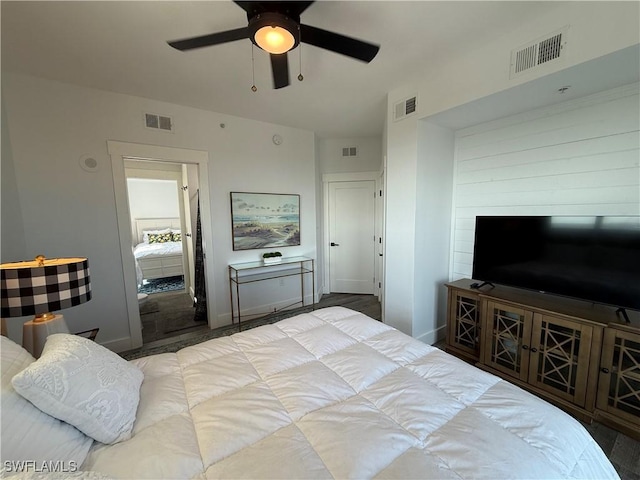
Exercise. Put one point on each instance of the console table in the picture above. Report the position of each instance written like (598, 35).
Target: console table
(251, 272)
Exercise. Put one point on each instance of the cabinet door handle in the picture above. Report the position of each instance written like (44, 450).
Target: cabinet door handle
(525, 347)
(534, 349)
(604, 370)
(333, 244)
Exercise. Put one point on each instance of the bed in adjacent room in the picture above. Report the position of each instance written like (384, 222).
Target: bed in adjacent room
(327, 394)
(158, 249)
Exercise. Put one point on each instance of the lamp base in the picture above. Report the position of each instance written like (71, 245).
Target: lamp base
(35, 333)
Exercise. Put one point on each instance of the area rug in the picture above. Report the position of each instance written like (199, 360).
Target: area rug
(159, 285)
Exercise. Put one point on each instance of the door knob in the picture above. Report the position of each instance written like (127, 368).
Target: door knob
(333, 244)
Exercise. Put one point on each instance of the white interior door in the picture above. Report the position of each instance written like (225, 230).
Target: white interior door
(352, 236)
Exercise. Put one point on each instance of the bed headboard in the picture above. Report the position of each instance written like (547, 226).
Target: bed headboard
(142, 224)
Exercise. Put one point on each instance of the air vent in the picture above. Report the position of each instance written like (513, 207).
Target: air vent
(405, 108)
(544, 51)
(349, 151)
(158, 122)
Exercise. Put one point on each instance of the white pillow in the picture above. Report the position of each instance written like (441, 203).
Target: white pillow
(82, 383)
(145, 233)
(26, 432)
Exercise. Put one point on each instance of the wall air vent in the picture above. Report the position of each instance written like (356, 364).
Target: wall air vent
(406, 107)
(158, 122)
(349, 151)
(544, 51)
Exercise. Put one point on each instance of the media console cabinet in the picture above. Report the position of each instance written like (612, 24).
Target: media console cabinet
(577, 355)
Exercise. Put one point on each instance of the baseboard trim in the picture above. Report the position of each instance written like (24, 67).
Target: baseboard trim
(433, 336)
(118, 345)
(224, 319)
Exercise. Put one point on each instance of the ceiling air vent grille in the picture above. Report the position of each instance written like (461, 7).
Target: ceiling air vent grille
(349, 151)
(404, 108)
(550, 49)
(542, 51)
(158, 122)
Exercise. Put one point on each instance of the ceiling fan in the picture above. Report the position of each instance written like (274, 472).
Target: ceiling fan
(275, 27)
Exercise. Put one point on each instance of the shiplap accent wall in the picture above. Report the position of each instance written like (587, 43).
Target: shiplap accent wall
(580, 157)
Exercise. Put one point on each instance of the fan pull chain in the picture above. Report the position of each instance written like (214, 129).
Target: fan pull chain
(300, 77)
(253, 72)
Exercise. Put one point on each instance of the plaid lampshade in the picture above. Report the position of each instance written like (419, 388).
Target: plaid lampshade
(43, 285)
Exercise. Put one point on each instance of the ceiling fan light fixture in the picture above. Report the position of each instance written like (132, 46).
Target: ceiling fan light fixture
(274, 39)
(274, 33)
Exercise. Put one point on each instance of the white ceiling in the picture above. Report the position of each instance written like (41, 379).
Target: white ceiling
(121, 47)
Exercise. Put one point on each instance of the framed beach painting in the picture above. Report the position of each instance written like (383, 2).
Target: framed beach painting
(263, 220)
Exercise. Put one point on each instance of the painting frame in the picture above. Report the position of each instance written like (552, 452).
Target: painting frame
(264, 220)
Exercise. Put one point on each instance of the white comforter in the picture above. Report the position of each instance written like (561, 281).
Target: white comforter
(335, 394)
(149, 250)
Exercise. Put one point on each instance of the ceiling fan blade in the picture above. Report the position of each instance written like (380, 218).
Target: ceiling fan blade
(292, 9)
(298, 7)
(335, 42)
(249, 7)
(280, 69)
(211, 39)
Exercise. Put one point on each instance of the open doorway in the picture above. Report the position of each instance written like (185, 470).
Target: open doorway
(204, 287)
(162, 204)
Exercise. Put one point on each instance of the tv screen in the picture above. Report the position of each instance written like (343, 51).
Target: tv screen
(594, 258)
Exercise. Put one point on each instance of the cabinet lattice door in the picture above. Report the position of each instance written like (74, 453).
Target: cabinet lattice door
(506, 334)
(559, 357)
(619, 390)
(464, 330)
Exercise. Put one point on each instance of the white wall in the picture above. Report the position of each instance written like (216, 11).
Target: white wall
(12, 227)
(596, 29)
(400, 220)
(576, 158)
(433, 209)
(67, 211)
(330, 159)
(153, 198)
(320, 276)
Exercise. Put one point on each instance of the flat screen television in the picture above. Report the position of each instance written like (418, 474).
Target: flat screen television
(594, 258)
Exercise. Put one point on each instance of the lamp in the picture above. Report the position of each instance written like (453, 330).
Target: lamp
(273, 32)
(39, 287)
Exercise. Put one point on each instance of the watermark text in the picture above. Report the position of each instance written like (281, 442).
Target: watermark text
(47, 466)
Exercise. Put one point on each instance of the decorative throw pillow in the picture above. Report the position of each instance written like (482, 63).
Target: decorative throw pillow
(146, 233)
(82, 383)
(28, 434)
(160, 237)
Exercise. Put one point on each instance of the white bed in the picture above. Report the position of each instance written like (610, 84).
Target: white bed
(335, 394)
(157, 260)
